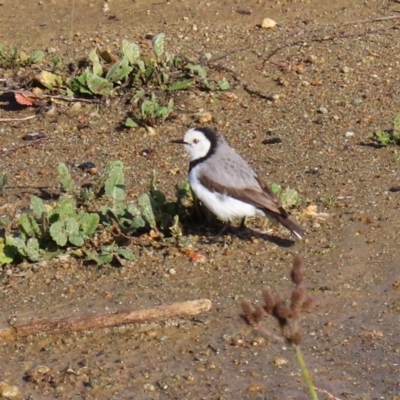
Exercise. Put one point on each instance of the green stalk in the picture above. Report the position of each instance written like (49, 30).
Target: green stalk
(306, 374)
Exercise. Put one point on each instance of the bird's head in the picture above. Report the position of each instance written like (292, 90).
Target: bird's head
(199, 142)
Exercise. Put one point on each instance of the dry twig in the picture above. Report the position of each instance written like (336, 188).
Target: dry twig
(73, 323)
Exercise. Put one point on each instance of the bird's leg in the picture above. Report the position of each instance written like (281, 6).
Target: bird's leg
(222, 231)
(242, 225)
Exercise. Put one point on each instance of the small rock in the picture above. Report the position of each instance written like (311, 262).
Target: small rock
(268, 23)
(150, 130)
(322, 110)
(345, 70)
(279, 361)
(204, 118)
(9, 392)
(172, 271)
(312, 59)
(75, 108)
(36, 135)
(357, 102)
(149, 387)
(349, 134)
(37, 374)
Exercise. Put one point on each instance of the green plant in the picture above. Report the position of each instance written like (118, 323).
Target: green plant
(110, 253)
(97, 235)
(3, 181)
(330, 201)
(287, 315)
(289, 197)
(152, 112)
(389, 136)
(44, 229)
(14, 58)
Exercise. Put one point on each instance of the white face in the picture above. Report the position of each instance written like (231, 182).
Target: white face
(196, 144)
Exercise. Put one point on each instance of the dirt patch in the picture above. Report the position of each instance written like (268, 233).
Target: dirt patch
(313, 84)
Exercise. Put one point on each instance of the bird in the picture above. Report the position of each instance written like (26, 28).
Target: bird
(225, 183)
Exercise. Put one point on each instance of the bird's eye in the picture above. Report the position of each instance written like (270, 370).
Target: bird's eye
(195, 141)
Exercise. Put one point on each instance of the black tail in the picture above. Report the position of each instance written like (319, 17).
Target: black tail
(289, 224)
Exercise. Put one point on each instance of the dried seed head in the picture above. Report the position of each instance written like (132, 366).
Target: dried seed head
(295, 338)
(297, 299)
(251, 315)
(286, 331)
(269, 300)
(281, 312)
(307, 303)
(296, 274)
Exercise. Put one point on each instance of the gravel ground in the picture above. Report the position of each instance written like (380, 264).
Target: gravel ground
(322, 81)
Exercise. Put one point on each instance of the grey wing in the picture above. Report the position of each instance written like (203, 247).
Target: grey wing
(234, 177)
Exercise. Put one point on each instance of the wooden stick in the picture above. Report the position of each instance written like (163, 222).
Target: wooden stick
(81, 322)
(18, 119)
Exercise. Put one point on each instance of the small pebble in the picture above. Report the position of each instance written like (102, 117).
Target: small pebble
(345, 70)
(9, 392)
(204, 118)
(34, 136)
(322, 110)
(357, 102)
(268, 23)
(349, 134)
(279, 361)
(172, 271)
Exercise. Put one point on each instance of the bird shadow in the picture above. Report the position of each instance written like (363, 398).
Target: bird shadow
(211, 237)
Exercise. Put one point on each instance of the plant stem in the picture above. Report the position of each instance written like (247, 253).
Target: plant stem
(306, 374)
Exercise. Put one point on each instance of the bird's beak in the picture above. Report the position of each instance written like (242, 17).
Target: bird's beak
(178, 141)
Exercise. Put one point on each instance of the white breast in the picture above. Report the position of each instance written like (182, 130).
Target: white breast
(221, 205)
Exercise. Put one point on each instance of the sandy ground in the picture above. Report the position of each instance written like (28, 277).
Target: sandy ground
(324, 71)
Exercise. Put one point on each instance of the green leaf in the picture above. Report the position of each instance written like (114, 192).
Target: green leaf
(158, 195)
(49, 80)
(33, 250)
(147, 210)
(38, 207)
(131, 51)
(57, 62)
(290, 198)
(17, 244)
(99, 259)
(65, 207)
(224, 84)
(89, 223)
(119, 71)
(130, 123)
(165, 77)
(181, 85)
(94, 58)
(35, 226)
(57, 233)
(175, 229)
(127, 254)
(138, 95)
(77, 240)
(141, 65)
(65, 179)
(99, 85)
(197, 70)
(36, 56)
(71, 227)
(6, 253)
(158, 44)
(3, 181)
(275, 188)
(115, 184)
(25, 225)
